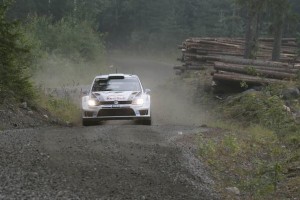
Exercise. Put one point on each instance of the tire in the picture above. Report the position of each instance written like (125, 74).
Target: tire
(147, 122)
(88, 123)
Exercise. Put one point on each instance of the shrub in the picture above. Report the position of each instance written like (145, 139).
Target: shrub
(260, 108)
(67, 37)
(68, 50)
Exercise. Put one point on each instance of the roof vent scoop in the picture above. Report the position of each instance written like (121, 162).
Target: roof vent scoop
(116, 76)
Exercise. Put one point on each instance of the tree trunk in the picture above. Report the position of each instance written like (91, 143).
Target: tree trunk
(251, 34)
(49, 7)
(278, 30)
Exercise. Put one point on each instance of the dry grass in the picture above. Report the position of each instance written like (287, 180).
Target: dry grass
(63, 108)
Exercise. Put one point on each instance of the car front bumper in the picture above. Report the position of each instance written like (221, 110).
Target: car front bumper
(116, 112)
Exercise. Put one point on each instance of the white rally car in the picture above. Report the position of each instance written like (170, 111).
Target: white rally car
(116, 97)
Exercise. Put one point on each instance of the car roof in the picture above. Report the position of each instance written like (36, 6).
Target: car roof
(116, 75)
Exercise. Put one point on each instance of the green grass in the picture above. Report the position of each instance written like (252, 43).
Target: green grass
(252, 159)
(62, 108)
(255, 146)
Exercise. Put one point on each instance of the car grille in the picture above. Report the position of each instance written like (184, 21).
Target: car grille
(116, 112)
(112, 102)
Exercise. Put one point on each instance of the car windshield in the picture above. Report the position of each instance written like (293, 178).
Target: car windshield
(126, 84)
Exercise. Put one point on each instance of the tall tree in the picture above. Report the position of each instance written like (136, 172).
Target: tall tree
(254, 9)
(15, 59)
(279, 11)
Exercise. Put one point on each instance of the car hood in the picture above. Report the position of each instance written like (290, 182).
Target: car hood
(116, 96)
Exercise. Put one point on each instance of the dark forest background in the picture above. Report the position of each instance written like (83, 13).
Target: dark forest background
(144, 24)
(54, 41)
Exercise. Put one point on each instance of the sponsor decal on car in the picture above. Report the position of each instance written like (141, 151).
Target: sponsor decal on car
(116, 98)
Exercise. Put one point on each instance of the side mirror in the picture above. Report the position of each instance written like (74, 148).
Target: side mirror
(147, 91)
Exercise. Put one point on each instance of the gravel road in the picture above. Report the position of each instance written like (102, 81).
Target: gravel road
(101, 162)
(117, 160)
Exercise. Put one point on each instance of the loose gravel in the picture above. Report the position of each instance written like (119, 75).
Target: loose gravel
(101, 162)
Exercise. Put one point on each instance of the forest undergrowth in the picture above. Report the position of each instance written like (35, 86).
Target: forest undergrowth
(253, 142)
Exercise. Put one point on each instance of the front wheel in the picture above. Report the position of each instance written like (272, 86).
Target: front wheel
(88, 122)
(147, 122)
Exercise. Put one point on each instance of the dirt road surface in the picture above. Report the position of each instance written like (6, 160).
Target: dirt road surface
(116, 160)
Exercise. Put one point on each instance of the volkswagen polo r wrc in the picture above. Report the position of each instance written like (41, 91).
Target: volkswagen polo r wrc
(116, 97)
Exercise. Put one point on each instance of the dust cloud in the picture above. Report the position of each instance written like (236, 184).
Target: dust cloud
(172, 101)
(56, 71)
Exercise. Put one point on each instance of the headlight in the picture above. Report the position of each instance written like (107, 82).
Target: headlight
(92, 102)
(138, 101)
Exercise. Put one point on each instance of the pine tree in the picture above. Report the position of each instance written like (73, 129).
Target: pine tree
(254, 9)
(15, 59)
(279, 10)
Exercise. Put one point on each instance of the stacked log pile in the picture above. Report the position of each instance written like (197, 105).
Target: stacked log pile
(226, 57)
(253, 71)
